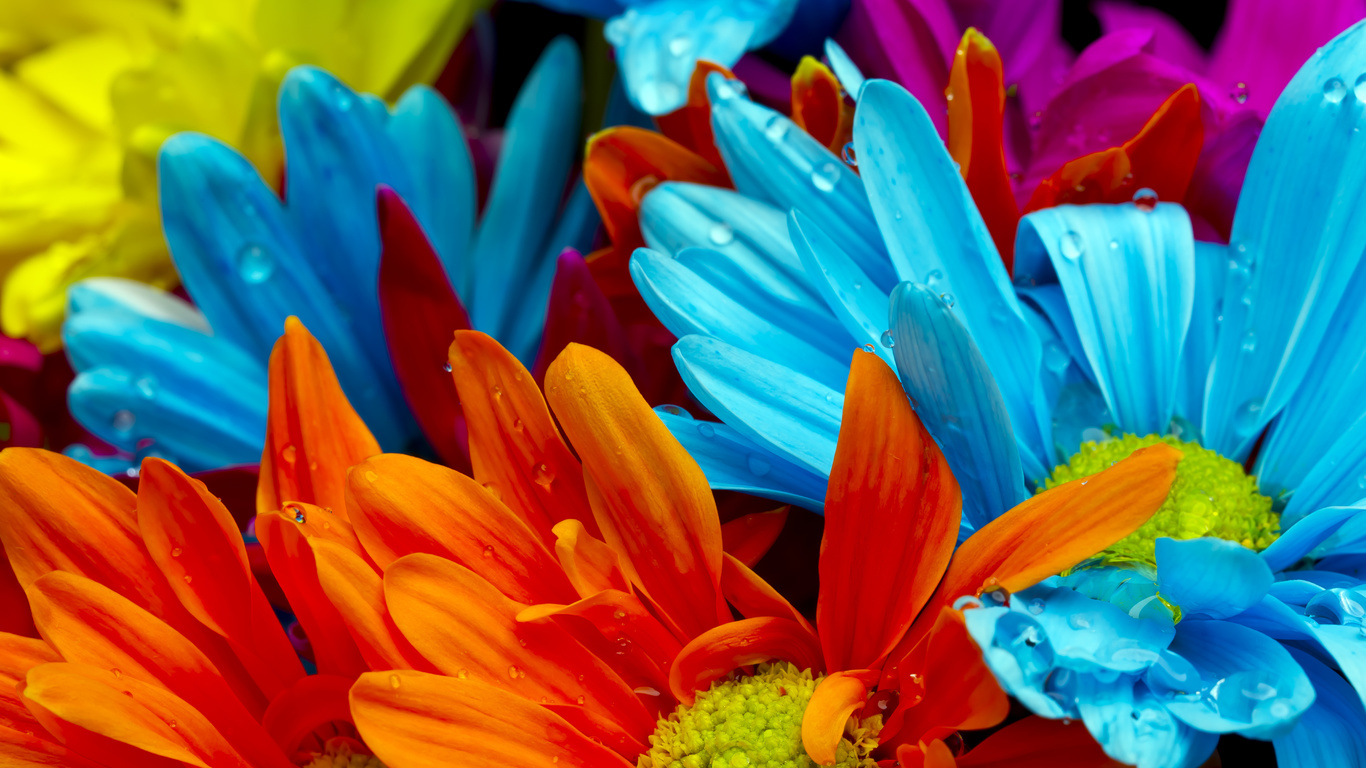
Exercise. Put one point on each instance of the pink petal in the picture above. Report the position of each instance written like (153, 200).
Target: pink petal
(1171, 41)
(910, 42)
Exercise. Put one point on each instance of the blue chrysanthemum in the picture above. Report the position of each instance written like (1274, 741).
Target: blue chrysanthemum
(1119, 329)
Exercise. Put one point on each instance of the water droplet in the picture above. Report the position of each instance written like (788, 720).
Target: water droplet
(1359, 87)
(777, 128)
(544, 477)
(619, 614)
(672, 410)
(721, 234)
(848, 154)
(497, 390)
(488, 551)
(1361, 481)
(887, 340)
(1334, 90)
(897, 215)
(254, 264)
(124, 421)
(171, 723)
(370, 476)
(462, 674)
(1145, 199)
(645, 690)
(343, 98)
(868, 348)
(758, 465)
(394, 682)
(706, 430)
(581, 699)
(298, 514)
(517, 425)
(1079, 621)
(1036, 606)
(642, 186)
(1249, 341)
(288, 453)
(725, 90)
(1247, 416)
(1072, 246)
(1238, 93)
(175, 552)
(446, 367)
(680, 45)
(947, 298)
(933, 278)
(147, 387)
(1055, 357)
(824, 178)
(512, 672)
(117, 673)
(188, 578)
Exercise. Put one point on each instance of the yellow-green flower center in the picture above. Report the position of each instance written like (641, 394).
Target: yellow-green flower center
(753, 721)
(1212, 496)
(339, 753)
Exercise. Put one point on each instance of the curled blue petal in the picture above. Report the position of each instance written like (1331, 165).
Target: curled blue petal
(1333, 731)
(1297, 541)
(860, 305)
(1092, 635)
(1210, 578)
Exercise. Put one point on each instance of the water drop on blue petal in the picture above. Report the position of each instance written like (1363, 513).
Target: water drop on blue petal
(1334, 90)
(1359, 88)
(1145, 199)
(777, 127)
(1249, 340)
(887, 340)
(680, 45)
(721, 233)
(254, 264)
(124, 421)
(1071, 246)
(1055, 358)
(758, 465)
(824, 178)
(147, 387)
(848, 154)
(1247, 416)
(947, 298)
(706, 430)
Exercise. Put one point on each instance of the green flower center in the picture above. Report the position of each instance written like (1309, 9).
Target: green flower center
(340, 753)
(752, 721)
(1212, 496)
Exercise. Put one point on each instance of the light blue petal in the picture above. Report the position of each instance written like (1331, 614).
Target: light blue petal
(732, 462)
(1347, 646)
(1333, 731)
(1019, 654)
(1092, 635)
(200, 399)
(1129, 278)
(771, 159)
(658, 44)
(533, 167)
(620, 110)
(1295, 243)
(1294, 591)
(1210, 578)
(1273, 618)
(1250, 684)
(113, 464)
(687, 304)
(1304, 535)
(936, 236)
(1134, 727)
(956, 398)
(1079, 416)
(846, 71)
(1338, 479)
(776, 407)
(1206, 309)
(239, 258)
(141, 299)
(431, 145)
(859, 304)
(1122, 586)
(1050, 300)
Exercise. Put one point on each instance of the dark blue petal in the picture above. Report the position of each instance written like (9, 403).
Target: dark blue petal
(1333, 731)
(1198, 354)
(1304, 535)
(1338, 479)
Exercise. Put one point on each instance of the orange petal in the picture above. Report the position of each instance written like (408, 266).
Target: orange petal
(357, 591)
(934, 755)
(1055, 530)
(466, 627)
(418, 720)
(88, 623)
(892, 511)
(716, 652)
(1161, 157)
(819, 106)
(26, 747)
(310, 703)
(516, 450)
(291, 560)
(17, 656)
(977, 99)
(98, 714)
(652, 502)
(312, 432)
(837, 697)
(196, 543)
(1035, 742)
(622, 163)
(752, 596)
(690, 124)
(945, 686)
(405, 505)
(749, 538)
(591, 565)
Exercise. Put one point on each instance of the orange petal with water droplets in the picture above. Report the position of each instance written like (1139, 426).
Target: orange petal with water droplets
(1161, 157)
(717, 651)
(690, 124)
(945, 686)
(291, 560)
(514, 444)
(405, 505)
(623, 163)
(892, 511)
(418, 720)
(312, 432)
(749, 538)
(310, 703)
(1035, 742)
(977, 100)
(196, 543)
(96, 713)
(753, 597)
(88, 623)
(590, 565)
(836, 697)
(357, 590)
(819, 106)
(652, 502)
(465, 626)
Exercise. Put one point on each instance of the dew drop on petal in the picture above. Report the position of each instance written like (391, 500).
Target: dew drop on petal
(824, 178)
(1238, 93)
(721, 233)
(1334, 90)
(394, 682)
(255, 265)
(706, 430)
(777, 128)
(124, 421)
(1072, 246)
(1359, 87)
(758, 465)
(887, 340)
(1145, 199)
(847, 154)
(175, 552)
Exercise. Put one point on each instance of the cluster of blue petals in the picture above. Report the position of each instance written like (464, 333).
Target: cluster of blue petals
(156, 375)
(1115, 319)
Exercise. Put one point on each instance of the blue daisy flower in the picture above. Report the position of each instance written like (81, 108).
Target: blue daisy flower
(1120, 330)
(155, 374)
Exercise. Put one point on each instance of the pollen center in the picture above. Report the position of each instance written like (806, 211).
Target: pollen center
(1212, 496)
(752, 721)
(341, 752)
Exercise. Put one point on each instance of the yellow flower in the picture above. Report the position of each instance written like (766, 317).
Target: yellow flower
(90, 88)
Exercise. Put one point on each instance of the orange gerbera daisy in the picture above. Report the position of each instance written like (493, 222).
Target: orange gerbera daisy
(556, 610)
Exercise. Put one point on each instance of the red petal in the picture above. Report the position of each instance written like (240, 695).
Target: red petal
(749, 538)
(819, 107)
(754, 597)
(579, 313)
(719, 650)
(1035, 742)
(690, 124)
(420, 312)
(310, 703)
(945, 686)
